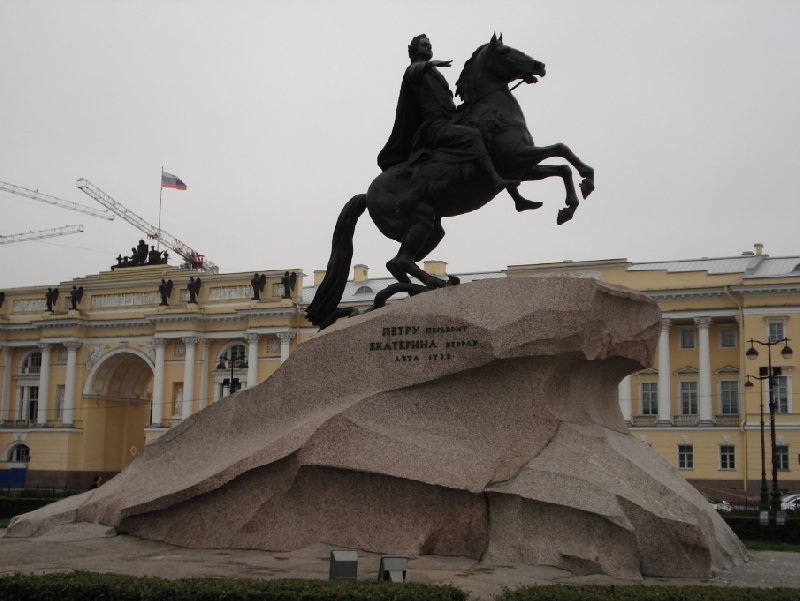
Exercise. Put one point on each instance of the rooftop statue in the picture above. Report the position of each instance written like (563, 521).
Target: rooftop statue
(442, 161)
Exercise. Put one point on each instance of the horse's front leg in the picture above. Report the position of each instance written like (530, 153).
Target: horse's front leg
(539, 172)
(538, 153)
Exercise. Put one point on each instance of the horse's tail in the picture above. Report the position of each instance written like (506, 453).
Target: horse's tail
(331, 289)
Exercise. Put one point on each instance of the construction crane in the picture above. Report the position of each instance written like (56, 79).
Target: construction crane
(51, 233)
(53, 200)
(192, 257)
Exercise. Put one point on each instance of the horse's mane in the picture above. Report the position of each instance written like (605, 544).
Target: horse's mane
(463, 87)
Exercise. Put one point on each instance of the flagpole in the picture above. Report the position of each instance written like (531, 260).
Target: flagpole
(160, 191)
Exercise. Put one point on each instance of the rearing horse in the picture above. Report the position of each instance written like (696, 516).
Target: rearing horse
(443, 189)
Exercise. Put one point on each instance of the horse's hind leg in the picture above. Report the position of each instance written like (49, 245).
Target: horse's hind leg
(415, 241)
(436, 235)
(560, 150)
(540, 172)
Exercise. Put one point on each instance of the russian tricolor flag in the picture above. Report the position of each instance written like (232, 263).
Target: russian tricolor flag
(171, 181)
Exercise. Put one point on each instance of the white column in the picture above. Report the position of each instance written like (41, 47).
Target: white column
(69, 385)
(158, 381)
(286, 338)
(44, 384)
(204, 346)
(664, 399)
(6, 401)
(624, 396)
(704, 408)
(188, 376)
(252, 360)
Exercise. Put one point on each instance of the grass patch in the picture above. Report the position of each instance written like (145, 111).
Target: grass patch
(766, 545)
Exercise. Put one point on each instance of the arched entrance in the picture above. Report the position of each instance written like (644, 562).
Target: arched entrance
(117, 397)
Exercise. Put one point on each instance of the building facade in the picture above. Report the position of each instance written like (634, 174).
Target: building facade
(693, 405)
(87, 383)
(84, 389)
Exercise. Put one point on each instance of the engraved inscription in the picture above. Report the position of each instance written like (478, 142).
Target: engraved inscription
(403, 343)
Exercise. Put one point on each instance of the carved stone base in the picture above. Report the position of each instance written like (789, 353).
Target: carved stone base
(478, 420)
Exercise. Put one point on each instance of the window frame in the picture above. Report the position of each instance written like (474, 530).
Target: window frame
(692, 398)
(782, 455)
(734, 333)
(650, 396)
(727, 457)
(722, 393)
(685, 456)
(687, 331)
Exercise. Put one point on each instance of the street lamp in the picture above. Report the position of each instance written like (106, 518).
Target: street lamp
(763, 504)
(233, 384)
(770, 375)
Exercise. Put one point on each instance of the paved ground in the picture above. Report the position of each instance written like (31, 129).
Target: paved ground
(95, 548)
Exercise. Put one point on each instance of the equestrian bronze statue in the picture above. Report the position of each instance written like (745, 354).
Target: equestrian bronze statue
(442, 161)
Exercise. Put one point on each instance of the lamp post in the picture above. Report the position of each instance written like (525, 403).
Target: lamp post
(233, 383)
(771, 374)
(763, 504)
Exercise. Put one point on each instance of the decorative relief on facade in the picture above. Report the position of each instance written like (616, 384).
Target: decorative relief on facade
(95, 352)
(21, 306)
(278, 290)
(126, 299)
(149, 349)
(273, 345)
(229, 293)
(180, 349)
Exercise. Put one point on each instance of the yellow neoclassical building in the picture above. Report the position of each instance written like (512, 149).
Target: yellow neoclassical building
(84, 388)
(91, 376)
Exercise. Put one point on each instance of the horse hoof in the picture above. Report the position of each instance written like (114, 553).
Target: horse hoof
(587, 187)
(528, 205)
(564, 215)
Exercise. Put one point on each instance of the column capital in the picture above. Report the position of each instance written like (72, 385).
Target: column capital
(72, 345)
(702, 322)
(285, 336)
(252, 337)
(664, 324)
(45, 347)
(159, 342)
(190, 340)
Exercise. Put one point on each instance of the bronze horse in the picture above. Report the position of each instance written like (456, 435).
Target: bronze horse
(444, 189)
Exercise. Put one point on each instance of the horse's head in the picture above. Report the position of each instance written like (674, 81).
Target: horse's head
(509, 64)
(499, 63)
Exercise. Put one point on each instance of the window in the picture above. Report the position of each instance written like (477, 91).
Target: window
(33, 403)
(776, 331)
(687, 338)
(238, 352)
(364, 290)
(727, 457)
(729, 397)
(780, 392)
(782, 457)
(727, 337)
(685, 456)
(20, 453)
(688, 393)
(649, 398)
(32, 363)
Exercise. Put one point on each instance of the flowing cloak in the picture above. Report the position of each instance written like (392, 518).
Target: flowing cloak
(425, 109)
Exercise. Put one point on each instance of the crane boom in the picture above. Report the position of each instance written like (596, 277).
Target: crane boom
(192, 257)
(38, 235)
(53, 200)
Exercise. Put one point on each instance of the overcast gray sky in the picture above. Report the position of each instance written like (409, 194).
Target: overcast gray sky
(273, 114)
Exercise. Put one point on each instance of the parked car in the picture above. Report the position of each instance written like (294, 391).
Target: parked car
(720, 504)
(791, 502)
